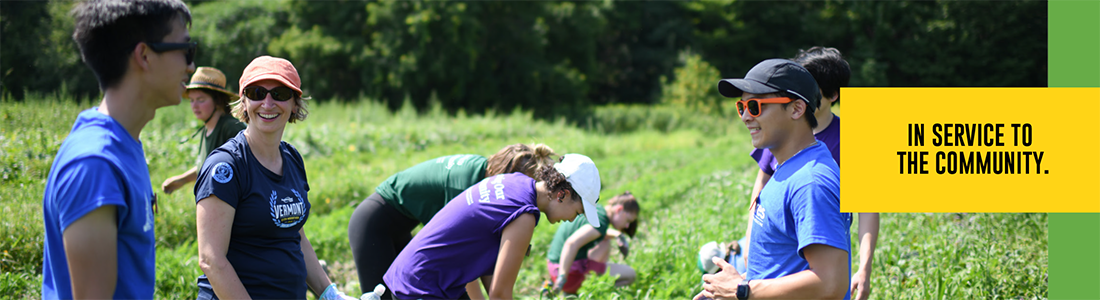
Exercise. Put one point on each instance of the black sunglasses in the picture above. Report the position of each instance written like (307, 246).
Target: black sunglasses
(191, 47)
(280, 93)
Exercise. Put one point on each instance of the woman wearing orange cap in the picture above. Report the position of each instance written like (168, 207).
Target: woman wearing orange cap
(209, 102)
(252, 197)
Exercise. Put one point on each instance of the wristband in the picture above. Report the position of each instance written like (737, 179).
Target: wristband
(743, 290)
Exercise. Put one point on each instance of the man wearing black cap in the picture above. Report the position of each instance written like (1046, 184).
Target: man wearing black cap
(799, 238)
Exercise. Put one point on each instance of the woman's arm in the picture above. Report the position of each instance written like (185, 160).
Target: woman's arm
(569, 249)
(513, 247)
(175, 182)
(474, 290)
(316, 279)
(214, 220)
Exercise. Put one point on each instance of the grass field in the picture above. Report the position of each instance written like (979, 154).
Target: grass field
(692, 180)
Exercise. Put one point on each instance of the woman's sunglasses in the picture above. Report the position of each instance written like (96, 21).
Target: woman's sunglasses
(280, 93)
(754, 105)
(191, 47)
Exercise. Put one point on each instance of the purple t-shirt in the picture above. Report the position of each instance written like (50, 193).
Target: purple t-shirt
(460, 244)
(830, 136)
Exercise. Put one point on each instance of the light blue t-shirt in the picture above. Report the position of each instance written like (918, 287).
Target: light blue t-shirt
(799, 206)
(99, 164)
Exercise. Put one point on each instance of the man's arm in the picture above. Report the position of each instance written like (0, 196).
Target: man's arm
(827, 278)
(761, 180)
(91, 248)
(868, 237)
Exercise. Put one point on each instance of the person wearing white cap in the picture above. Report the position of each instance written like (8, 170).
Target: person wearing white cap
(485, 232)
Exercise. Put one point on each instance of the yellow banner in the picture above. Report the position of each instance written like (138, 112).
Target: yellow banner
(970, 150)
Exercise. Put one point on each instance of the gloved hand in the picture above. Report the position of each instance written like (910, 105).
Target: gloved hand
(559, 284)
(624, 246)
(331, 293)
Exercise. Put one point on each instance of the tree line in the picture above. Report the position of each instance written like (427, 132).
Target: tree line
(558, 57)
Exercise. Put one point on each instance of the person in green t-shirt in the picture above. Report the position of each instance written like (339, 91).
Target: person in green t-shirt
(585, 248)
(381, 225)
(209, 102)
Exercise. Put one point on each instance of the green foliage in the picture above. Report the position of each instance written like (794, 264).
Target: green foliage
(695, 87)
(19, 21)
(559, 58)
(625, 118)
(232, 33)
(887, 43)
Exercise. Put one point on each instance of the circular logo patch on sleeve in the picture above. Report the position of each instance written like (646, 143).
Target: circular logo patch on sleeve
(222, 172)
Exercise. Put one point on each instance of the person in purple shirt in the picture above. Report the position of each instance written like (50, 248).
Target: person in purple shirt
(486, 230)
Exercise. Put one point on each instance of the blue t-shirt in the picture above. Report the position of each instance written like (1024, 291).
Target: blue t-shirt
(100, 164)
(799, 206)
(264, 245)
(830, 136)
(461, 243)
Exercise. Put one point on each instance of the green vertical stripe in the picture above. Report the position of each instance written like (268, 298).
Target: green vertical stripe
(1074, 61)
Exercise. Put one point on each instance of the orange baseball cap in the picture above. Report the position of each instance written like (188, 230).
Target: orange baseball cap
(267, 67)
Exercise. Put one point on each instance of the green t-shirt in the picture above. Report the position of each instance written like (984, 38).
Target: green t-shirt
(567, 229)
(226, 128)
(422, 190)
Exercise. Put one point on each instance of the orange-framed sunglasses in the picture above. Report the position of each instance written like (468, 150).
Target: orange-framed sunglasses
(754, 105)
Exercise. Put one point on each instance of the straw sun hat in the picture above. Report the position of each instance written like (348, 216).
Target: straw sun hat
(211, 79)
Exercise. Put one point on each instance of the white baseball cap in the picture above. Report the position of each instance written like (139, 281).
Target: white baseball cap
(581, 173)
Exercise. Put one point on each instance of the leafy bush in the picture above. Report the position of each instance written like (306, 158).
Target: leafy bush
(232, 33)
(695, 86)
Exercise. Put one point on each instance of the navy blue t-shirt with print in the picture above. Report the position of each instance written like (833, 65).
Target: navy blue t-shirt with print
(264, 244)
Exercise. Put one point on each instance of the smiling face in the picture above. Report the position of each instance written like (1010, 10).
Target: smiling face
(768, 129)
(202, 105)
(564, 208)
(170, 71)
(268, 115)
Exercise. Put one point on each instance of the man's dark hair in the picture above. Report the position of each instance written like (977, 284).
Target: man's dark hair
(107, 31)
(828, 67)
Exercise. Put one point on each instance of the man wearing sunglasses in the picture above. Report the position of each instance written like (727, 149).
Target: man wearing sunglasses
(799, 238)
(98, 203)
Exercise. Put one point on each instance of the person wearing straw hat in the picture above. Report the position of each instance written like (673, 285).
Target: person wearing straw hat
(210, 103)
(486, 231)
(252, 198)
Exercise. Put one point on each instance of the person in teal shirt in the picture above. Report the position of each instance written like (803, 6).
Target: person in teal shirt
(210, 100)
(381, 225)
(585, 248)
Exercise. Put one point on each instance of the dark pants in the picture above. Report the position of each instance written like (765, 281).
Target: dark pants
(377, 233)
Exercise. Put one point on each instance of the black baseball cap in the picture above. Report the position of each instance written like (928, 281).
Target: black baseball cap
(774, 75)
